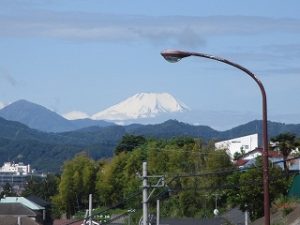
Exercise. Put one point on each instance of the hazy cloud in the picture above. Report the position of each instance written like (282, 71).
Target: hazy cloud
(189, 31)
(7, 77)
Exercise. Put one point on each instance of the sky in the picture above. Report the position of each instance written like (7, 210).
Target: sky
(87, 55)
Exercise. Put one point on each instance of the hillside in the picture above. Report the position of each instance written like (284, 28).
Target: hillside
(38, 117)
(48, 151)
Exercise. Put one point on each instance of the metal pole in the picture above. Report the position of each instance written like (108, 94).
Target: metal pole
(246, 217)
(175, 56)
(90, 209)
(145, 194)
(157, 212)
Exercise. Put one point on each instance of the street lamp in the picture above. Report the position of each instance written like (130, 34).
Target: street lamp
(175, 56)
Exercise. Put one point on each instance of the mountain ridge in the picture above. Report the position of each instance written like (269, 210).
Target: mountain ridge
(48, 151)
(39, 117)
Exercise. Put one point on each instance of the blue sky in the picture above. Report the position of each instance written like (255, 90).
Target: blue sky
(87, 55)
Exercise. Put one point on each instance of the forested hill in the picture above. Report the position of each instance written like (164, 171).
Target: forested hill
(48, 151)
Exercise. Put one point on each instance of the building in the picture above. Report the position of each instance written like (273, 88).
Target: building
(239, 145)
(15, 168)
(31, 204)
(16, 175)
(16, 213)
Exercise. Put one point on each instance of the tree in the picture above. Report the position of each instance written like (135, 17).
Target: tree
(111, 181)
(128, 143)
(7, 191)
(44, 188)
(246, 188)
(77, 182)
(285, 143)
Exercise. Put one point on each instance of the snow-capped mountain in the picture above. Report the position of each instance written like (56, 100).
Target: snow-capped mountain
(142, 105)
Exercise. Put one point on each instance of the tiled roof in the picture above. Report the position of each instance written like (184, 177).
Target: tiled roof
(66, 221)
(193, 221)
(241, 162)
(235, 216)
(271, 154)
(15, 209)
(38, 200)
(13, 220)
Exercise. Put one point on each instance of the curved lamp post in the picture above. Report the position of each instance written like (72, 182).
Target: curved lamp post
(175, 56)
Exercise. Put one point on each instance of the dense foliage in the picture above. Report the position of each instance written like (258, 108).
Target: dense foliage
(285, 143)
(42, 187)
(245, 189)
(193, 172)
(198, 180)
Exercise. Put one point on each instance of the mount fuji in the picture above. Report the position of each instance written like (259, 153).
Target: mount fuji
(142, 106)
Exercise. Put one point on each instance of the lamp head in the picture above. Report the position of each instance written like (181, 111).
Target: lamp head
(174, 56)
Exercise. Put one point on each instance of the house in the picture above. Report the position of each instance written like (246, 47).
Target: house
(294, 164)
(248, 159)
(16, 213)
(275, 157)
(40, 211)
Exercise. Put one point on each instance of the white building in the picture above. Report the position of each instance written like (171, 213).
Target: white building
(245, 144)
(15, 168)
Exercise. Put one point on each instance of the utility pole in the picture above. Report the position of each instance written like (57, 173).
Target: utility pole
(146, 186)
(246, 217)
(157, 212)
(90, 209)
(88, 216)
(145, 194)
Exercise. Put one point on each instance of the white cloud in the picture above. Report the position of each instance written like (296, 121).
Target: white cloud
(74, 115)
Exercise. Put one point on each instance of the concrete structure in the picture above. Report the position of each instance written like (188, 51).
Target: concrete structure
(15, 168)
(245, 144)
(16, 175)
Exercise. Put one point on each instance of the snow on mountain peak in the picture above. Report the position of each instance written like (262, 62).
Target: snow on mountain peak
(142, 105)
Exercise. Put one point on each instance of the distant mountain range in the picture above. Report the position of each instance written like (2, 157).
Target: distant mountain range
(138, 108)
(47, 151)
(36, 135)
(38, 117)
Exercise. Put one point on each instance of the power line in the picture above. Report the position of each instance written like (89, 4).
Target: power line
(209, 173)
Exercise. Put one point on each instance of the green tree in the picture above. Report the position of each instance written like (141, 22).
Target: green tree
(110, 182)
(128, 143)
(44, 187)
(77, 182)
(285, 143)
(7, 191)
(246, 188)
